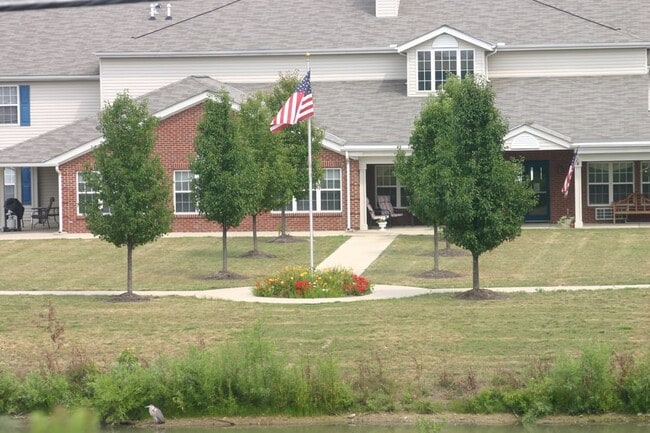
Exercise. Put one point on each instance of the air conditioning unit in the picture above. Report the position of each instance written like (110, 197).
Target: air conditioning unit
(604, 214)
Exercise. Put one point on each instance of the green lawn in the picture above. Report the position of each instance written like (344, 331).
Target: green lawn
(536, 258)
(423, 339)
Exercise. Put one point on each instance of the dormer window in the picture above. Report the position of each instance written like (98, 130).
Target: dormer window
(446, 62)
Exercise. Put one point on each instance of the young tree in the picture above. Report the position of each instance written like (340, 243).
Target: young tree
(129, 179)
(225, 185)
(272, 167)
(485, 199)
(425, 172)
(294, 182)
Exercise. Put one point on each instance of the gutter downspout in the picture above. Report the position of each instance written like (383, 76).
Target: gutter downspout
(347, 177)
(58, 176)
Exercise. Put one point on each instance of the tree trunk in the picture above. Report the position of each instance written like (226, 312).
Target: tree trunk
(129, 268)
(283, 223)
(436, 259)
(224, 249)
(475, 280)
(255, 233)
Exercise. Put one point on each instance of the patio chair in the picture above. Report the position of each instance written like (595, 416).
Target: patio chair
(380, 216)
(386, 206)
(42, 215)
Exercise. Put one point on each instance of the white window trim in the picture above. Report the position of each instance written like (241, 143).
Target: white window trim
(10, 180)
(610, 182)
(105, 211)
(432, 65)
(17, 105)
(317, 191)
(645, 184)
(398, 185)
(189, 191)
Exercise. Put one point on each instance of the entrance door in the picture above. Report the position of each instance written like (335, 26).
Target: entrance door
(537, 172)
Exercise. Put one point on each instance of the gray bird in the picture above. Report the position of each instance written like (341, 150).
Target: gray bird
(156, 414)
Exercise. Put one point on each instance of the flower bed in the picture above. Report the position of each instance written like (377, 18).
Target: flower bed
(298, 282)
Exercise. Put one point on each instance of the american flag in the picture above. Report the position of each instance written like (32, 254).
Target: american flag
(567, 179)
(298, 107)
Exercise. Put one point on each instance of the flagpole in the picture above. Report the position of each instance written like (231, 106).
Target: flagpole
(311, 186)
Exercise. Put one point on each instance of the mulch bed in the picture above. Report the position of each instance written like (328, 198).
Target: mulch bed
(257, 255)
(286, 239)
(221, 275)
(128, 297)
(481, 295)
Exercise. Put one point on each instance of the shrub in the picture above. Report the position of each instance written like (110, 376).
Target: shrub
(299, 282)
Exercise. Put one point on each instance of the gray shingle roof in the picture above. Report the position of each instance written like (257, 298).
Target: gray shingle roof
(583, 108)
(64, 41)
(610, 108)
(41, 149)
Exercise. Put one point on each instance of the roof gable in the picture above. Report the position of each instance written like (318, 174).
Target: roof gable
(446, 30)
(532, 136)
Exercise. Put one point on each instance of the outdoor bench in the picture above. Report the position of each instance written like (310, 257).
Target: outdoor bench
(634, 203)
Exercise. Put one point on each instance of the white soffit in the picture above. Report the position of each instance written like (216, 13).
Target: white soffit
(535, 137)
(446, 30)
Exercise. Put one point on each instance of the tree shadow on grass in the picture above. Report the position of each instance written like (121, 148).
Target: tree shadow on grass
(221, 275)
(438, 274)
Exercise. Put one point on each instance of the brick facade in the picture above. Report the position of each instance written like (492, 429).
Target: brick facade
(175, 144)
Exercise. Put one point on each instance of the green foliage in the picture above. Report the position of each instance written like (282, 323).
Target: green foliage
(298, 282)
(9, 386)
(292, 177)
(64, 421)
(225, 181)
(130, 180)
(485, 200)
(129, 177)
(591, 384)
(42, 391)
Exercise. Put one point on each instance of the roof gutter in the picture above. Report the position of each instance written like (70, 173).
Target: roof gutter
(35, 78)
(534, 47)
(249, 53)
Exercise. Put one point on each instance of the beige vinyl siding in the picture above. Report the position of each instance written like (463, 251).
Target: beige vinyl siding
(142, 75)
(52, 105)
(412, 62)
(47, 181)
(557, 63)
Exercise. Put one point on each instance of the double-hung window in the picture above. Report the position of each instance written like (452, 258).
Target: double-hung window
(9, 182)
(609, 181)
(446, 62)
(183, 195)
(86, 196)
(8, 105)
(326, 197)
(387, 184)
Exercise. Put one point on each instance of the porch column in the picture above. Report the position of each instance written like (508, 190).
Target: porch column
(578, 193)
(363, 214)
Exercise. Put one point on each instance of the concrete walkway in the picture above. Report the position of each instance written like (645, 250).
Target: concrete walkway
(357, 253)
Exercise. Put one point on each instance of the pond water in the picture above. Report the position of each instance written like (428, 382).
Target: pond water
(8, 426)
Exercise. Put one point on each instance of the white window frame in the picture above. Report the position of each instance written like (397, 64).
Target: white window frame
(302, 206)
(433, 82)
(400, 202)
(645, 177)
(10, 183)
(189, 191)
(6, 102)
(80, 181)
(610, 182)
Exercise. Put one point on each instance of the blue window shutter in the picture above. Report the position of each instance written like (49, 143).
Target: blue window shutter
(25, 119)
(26, 185)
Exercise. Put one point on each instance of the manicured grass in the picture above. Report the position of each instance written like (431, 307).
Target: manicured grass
(536, 258)
(167, 264)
